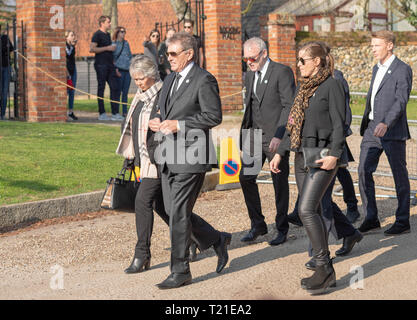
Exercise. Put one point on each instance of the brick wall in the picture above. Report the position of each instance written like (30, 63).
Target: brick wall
(279, 31)
(224, 51)
(45, 98)
(137, 17)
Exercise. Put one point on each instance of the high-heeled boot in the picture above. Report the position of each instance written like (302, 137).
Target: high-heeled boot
(323, 278)
(138, 265)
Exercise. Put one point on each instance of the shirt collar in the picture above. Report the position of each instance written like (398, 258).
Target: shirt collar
(387, 63)
(187, 69)
(265, 67)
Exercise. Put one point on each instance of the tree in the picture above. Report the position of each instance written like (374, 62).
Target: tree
(110, 9)
(407, 8)
(7, 11)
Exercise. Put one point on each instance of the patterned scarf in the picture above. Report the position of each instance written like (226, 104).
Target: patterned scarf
(296, 117)
(125, 147)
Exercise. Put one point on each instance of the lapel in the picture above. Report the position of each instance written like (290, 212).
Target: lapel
(164, 94)
(249, 89)
(389, 73)
(368, 97)
(265, 82)
(183, 87)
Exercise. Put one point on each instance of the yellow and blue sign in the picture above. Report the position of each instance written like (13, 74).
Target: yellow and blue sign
(230, 164)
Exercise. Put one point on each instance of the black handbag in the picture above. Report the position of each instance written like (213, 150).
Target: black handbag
(311, 154)
(120, 193)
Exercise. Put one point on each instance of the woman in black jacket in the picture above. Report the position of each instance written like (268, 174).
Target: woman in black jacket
(316, 120)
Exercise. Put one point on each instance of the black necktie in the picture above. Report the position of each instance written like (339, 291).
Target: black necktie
(175, 86)
(258, 84)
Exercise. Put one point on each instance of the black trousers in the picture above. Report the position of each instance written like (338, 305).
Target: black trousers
(180, 192)
(349, 195)
(312, 185)
(395, 150)
(107, 73)
(149, 198)
(251, 191)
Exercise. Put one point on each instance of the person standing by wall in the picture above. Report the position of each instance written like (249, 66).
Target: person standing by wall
(189, 28)
(122, 57)
(71, 70)
(6, 48)
(103, 48)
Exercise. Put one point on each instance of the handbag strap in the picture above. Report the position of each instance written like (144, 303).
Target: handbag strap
(121, 50)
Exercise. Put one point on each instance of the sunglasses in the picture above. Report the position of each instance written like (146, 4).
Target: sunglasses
(303, 60)
(252, 59)
(174, 54)
(122, 31)
(187, 27)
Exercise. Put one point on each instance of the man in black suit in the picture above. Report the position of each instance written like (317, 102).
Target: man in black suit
(189, 107)
(384, 128)
(270, 90)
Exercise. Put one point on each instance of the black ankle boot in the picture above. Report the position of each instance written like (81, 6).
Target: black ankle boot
(138, 265)
(323, 278)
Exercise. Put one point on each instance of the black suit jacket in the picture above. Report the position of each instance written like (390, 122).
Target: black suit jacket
(197, 106)
(276, 99)
(391, 101)
(324, 120)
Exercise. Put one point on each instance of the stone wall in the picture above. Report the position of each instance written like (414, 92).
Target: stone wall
(356, 63)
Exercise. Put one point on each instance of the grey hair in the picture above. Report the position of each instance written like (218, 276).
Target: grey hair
(255, 41)
(144, 65)
(186, 40)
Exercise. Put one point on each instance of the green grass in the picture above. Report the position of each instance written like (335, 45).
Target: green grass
(90, 105)
(358, 107)
(43, 160)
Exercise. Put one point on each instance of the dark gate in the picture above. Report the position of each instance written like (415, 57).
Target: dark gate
(194, 10)
(12, 37)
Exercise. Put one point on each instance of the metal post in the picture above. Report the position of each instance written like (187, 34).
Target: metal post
(88, 77)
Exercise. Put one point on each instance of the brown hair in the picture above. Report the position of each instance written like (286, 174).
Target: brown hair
(116, 32)
(103, 19)
(318, 49)
(186, 40)
(189, 21)
(155, 31)
(386, 35)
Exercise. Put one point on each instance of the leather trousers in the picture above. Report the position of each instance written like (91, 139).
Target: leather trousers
(312, 185)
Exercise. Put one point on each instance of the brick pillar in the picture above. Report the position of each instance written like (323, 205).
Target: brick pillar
(223, 49)
(46, 100)
(279, 30)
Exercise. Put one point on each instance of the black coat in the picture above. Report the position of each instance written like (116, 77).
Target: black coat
(324, 120)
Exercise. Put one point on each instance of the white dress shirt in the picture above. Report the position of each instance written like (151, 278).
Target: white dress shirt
(183, 74)
(382, 70)
(263, 72)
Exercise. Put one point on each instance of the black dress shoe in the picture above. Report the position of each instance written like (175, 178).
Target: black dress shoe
(221, 250)
(175, 280)
(311, 264)
(294, 218)
(352, 216)
(253, 234)
(396, 229)
(349, 243)
(368, 225)
(280, 239)
(138, 265)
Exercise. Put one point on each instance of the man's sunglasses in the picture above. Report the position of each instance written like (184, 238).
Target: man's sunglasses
(303, 60)
(174, 54)
(252, 59)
